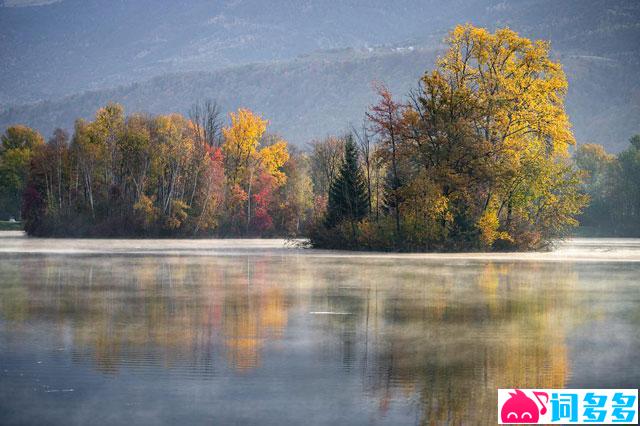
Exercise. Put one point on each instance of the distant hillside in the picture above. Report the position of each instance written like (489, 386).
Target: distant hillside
(75, 45)
(305, 64)
(303, 99)
(320, 94)
(54, 48)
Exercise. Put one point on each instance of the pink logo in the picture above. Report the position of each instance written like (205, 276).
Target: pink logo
(519, 408)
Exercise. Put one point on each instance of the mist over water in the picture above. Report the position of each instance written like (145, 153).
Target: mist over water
(575, 249)
(258, 332)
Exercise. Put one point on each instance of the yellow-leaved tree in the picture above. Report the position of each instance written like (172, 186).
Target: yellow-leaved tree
(240, 145)
(489, 128)
(245, 160)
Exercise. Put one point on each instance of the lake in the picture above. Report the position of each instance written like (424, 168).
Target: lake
(106, 332)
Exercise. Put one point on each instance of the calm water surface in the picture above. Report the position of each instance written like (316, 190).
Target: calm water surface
(106, 332)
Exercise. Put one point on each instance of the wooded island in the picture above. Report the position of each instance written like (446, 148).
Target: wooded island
(479, 156)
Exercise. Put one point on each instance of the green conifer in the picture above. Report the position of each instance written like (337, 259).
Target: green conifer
(348, 193)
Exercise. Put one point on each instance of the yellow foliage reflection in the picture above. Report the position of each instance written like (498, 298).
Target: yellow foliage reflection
(446, 335)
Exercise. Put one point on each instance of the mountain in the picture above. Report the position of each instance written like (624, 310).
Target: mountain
(306, 65)
(76, 45)
(304, 98)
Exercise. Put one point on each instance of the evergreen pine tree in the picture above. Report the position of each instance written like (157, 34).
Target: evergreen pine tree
(348, 193)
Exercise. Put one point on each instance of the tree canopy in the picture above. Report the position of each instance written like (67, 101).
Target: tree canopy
(613, 184)
(477, 157)
(18, 145)
(164, 175)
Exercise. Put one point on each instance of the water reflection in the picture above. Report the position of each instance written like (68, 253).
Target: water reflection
(396, 340)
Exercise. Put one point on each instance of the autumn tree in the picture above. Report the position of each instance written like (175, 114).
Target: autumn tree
(477, 157)
(106, 131)
(489, 129)
(368, 152)
(210, 196)
(247, 162)
(205, 119)
(206, 125)
(295, 199)
(18, 145)
(386, 118)
(136, 157)
(627, 188)
(57, 173)
(597, 166)
(326, 157)
(611, 181)
(240, 144)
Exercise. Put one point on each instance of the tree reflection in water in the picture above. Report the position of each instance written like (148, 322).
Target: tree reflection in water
(439, 337)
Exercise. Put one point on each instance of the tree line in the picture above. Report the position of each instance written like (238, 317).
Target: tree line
(613, 185)
(158, 175)
(477, 157)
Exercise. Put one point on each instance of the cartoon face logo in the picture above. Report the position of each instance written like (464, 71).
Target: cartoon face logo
(519, 408)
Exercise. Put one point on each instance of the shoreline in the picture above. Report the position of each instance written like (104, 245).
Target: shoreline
(569, 250)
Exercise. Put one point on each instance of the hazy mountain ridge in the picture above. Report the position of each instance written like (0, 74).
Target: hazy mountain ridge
(303, 99)
(74, 45)
(197, 48)
(309, 98)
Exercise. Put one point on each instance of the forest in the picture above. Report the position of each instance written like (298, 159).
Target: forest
(479, 156)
